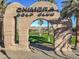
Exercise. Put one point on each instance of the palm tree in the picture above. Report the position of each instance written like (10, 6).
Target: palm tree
(71, 7)
(40, 22)
(1, 20)
(48, 32)
(3, 6)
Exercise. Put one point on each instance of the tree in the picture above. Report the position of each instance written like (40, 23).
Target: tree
(40, 22)
(2, 9)
(71, 7)
(48, 32)
(3, 6)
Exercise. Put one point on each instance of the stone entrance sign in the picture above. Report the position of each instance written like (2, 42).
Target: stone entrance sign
(43, 10)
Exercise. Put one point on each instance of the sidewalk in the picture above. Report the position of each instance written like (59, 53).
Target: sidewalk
(37, 52)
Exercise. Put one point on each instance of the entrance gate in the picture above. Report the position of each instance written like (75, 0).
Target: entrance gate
(26, 16)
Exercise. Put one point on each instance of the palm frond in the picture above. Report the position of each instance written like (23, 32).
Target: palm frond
(68, 8)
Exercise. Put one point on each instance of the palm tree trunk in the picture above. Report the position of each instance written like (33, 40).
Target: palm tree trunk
(77, 32)
(40, 27)
(48, 32)
(62, 37)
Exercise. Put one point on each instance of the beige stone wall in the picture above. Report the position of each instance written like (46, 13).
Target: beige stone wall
(9, 25)
(24, 24)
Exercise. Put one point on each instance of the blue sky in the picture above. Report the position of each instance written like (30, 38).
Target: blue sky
(27, 3)
(30, 2)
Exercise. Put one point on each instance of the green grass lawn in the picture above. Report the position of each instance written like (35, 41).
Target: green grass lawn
(17, 38)
(44, 38)
(35, 38)
(73, 40)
